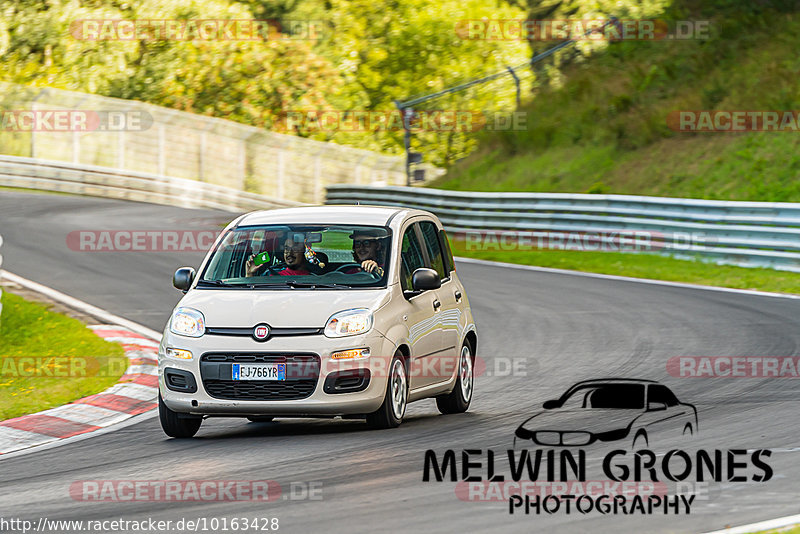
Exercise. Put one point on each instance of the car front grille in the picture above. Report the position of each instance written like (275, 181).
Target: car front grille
(555, 438)
(302, 374)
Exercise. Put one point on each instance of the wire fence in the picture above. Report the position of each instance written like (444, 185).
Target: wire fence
(501, 102)
(135, 136)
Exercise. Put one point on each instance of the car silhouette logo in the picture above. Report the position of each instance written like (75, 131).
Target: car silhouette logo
(611, 409)
(261, 332)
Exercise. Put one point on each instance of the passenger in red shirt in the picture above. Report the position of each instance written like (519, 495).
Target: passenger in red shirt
(296, 263)
(293, 256)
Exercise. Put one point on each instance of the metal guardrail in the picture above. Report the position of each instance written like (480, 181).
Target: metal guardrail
(750, 234)
(92, 180)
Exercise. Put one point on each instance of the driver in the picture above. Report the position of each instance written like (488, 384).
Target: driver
(296, 263)
(368, 251)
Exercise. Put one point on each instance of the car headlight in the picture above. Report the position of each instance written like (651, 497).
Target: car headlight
(178, 354)
(187, 322)
(349, 323)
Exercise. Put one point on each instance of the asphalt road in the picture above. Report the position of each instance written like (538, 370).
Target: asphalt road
(562, 328)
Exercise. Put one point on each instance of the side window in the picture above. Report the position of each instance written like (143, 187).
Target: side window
(431, 236)
(448, 253)
(410, 257)
(660, 393)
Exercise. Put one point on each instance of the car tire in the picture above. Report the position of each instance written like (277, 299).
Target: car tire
(458, 400)
(260, 418)
(175, 426)
(391, 412)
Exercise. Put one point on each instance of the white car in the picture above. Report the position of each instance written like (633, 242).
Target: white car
(318, 311)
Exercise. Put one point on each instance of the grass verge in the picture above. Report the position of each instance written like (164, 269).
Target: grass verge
(644, 266)
(785, 530)
(48, 359)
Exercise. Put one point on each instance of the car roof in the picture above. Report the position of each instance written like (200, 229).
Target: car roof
(599, 381)
(339, 214)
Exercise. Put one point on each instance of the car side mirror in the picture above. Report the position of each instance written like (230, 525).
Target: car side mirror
(183, 278)
(424, 279)
(656, 406)
(549, 405)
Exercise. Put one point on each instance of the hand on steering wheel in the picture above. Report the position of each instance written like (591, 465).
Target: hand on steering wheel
(373, 272)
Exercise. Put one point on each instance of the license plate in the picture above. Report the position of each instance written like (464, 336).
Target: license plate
(267, 371)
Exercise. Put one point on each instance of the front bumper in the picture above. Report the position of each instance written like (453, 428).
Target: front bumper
(364, 399)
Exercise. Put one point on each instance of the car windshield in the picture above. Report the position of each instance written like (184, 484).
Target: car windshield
(614, 396)
(299, 256)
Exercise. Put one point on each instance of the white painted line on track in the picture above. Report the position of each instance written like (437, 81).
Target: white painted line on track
(108, 420)
(135, 420)
(79, 305)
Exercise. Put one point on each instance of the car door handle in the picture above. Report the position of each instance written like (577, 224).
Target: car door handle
(458, 296)
(436, 304)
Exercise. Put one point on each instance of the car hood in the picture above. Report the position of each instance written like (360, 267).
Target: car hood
(291, 308)
(588, 420)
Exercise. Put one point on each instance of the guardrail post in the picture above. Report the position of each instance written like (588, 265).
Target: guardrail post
(516, 82)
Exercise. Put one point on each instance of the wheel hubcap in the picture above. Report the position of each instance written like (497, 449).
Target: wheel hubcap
(465, 370)
(399, 389)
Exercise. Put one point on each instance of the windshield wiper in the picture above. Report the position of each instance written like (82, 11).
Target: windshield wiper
(296, 284)
(312, 285)
(217, 283)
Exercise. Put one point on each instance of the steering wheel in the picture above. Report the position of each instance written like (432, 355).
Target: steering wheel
(272, 270)
(348, 265)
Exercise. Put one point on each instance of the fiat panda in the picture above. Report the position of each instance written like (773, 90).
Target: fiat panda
(350, 311)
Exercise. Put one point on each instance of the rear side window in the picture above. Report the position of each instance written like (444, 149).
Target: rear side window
(448, 253)
(411, 257)
(431, 236)
(659, 393)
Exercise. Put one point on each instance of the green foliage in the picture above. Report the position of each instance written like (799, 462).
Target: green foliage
(607, 124)
(369, 54)
(29, 331)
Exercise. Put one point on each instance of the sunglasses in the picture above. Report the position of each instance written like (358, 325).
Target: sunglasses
(364, 243)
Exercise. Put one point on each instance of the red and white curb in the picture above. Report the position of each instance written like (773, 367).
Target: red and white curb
(135, 393)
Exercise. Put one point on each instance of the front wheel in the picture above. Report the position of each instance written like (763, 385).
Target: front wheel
(391, 412)
(458, 400)
(175, 426)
